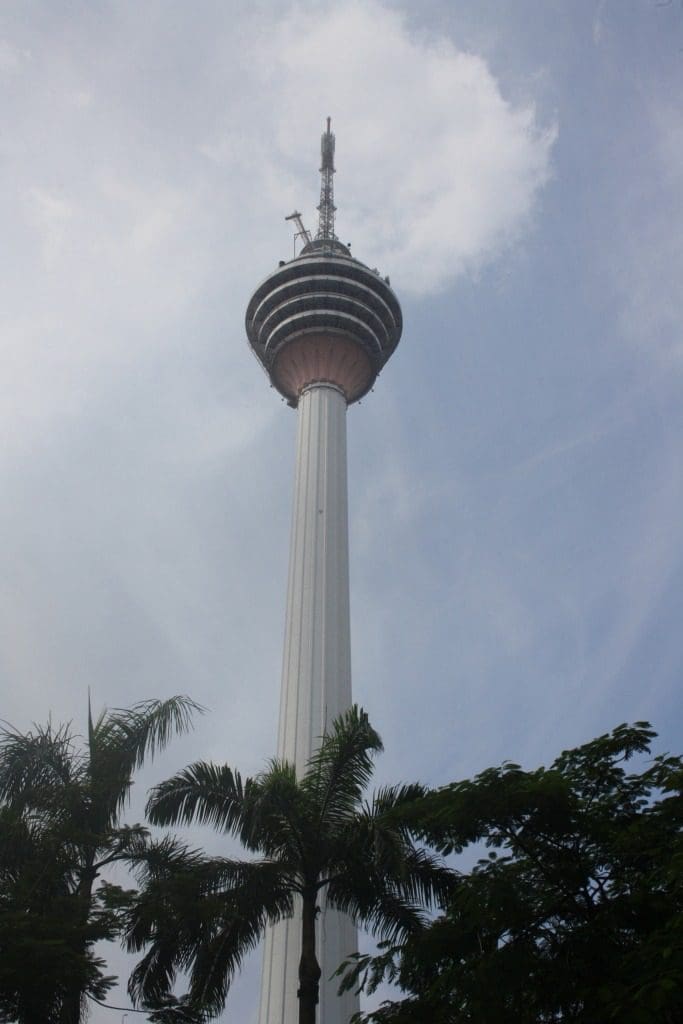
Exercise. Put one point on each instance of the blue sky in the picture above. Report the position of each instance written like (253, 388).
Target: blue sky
(515, 480)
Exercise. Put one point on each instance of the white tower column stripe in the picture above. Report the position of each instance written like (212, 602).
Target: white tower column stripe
(316, 676)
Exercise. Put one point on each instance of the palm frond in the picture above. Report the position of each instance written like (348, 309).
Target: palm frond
(154, 976)
(423, 878)
(405, 881)
(149, 725)
(127, 842)
(394, 802)
(118, 742)
(202, 915)
(377, 906)
(259, 895)
(380, 876)
(276, 814)
(205, 793)
(384, 844)
(172, 877)
(35, 764)
(341, 768)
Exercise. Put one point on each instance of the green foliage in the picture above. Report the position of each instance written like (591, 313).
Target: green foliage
(575, 914)
(60, 807)
(170, 1010)
(40, 925)
(200, 915)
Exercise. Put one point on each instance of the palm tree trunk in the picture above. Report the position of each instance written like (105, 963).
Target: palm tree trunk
(309, 968)
(72, 1006)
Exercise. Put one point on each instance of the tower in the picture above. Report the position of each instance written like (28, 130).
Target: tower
(322, 325)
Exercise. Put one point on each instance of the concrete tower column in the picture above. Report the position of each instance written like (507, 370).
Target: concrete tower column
(316, 668)
(316, 675)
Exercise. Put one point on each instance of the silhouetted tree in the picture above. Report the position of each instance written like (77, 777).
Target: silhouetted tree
(312, 836)
(575, 915)
(60, 826)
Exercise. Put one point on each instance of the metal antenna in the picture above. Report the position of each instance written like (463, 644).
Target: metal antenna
(327, 208)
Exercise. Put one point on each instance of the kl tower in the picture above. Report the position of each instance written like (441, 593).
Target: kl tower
(322, 325)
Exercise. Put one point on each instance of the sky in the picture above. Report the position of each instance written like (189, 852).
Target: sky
(515, 479)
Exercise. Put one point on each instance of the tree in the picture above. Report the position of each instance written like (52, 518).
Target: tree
(310, 835)
(575, 915)
(60, 810)
(38, 962)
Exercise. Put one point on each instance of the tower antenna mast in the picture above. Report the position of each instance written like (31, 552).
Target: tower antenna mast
(327, 208)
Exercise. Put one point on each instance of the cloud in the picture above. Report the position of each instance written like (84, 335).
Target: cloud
(12, 59)
(127, 203)
(437, 171)
(647, 263)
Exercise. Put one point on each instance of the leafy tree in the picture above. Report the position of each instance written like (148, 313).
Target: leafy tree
(61, 803)
(38, 932)
(575, 915)
(309, 835)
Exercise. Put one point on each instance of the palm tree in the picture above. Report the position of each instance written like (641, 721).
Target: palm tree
(311, 836)
(63, 801)
(36, 962)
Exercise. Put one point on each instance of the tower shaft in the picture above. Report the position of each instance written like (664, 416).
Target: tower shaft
(316, 676)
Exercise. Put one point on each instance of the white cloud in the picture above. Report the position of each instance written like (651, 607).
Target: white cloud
(118, 226)
(437, 171)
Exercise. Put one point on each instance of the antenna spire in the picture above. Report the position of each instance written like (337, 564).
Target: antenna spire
(326, 208)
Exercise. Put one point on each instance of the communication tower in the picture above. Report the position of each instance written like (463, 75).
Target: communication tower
(322, 326)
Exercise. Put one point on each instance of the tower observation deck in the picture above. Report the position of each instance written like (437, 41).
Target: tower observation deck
(324, 316)
(322, 325)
